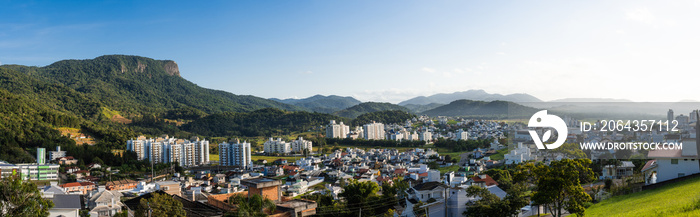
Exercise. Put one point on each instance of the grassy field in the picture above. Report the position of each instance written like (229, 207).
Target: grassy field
(677, 199)
(213, 157)
(500, 154)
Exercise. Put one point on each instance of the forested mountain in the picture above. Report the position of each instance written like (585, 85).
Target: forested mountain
(418, 109)
(476, 95)
(386, 117)
(320, 103)
(263, 122)
(32, 110)
(368, 107)
(137, 85)
(481, 109)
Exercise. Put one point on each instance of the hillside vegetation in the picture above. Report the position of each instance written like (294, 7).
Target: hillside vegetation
(323, 104)
(481, 109)
(368, 107)
(135, 85)
(677, 199)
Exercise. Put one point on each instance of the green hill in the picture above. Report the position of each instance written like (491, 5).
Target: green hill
(323, 104)
(677, 199)
(386, 117)
(264, 122)
(368, 107)
(481, 109)
(418, 109)
(137, 85)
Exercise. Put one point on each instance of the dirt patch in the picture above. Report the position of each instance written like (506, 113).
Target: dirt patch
(119, 119)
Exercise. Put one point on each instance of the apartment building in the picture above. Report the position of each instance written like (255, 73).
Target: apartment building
(334, 130)
(168, 150)
(235, 154)
(277, 146)
(299, 145)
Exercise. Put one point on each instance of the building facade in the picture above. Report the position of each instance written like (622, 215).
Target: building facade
(191, 152)
(334, 130)
(300, 145)
(373, 131)
(235, 154)
(277, 146)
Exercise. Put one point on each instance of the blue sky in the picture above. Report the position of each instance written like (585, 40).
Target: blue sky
(380, 50)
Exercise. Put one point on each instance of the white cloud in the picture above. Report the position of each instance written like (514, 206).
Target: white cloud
(501, 53)
(641, 15)
(429, 70)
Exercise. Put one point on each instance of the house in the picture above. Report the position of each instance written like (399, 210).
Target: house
(482, 180)
(430, 193)
(50, 190)
(68, 160)
(518, 155)
(169, 187)
(68, 205)
(649, 171)
(672, 163)
(79, 187)
(81, 174)
(618, 172)
(120, 185)
(105, 203)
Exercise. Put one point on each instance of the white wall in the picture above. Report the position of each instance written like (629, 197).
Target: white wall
(64, 212)
(668, 171)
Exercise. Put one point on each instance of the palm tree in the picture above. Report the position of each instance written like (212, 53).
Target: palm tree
(254, 205)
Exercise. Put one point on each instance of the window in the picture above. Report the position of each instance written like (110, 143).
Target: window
(674, 161)
(681, 174)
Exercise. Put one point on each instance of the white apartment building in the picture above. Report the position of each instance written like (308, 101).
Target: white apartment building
(167, 150)
(235, 154)
(334, 130)
(300, 145)
(53, 155)
(462, 135)
(277, 146)
(425, 136)
(373, 131)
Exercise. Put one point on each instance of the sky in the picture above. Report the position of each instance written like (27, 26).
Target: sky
(386, 51)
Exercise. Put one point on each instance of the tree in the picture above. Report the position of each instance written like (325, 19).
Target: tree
(18, 198)
(490, 205)
(254, 205)
(160, 205)
(357, 194)
(559, 185)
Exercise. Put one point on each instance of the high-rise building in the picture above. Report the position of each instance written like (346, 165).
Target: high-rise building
(53, 155)
(462, 135)
(277, 146)
(300, 145)
(40, 156)
(334, 130)
(669, 115)
(373, 131)
(235, 154)
(169, 150)
(425, 136)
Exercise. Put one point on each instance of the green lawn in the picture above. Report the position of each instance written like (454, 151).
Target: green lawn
(499, 155)
(213, 157)
(678, 199)
(443, 170)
